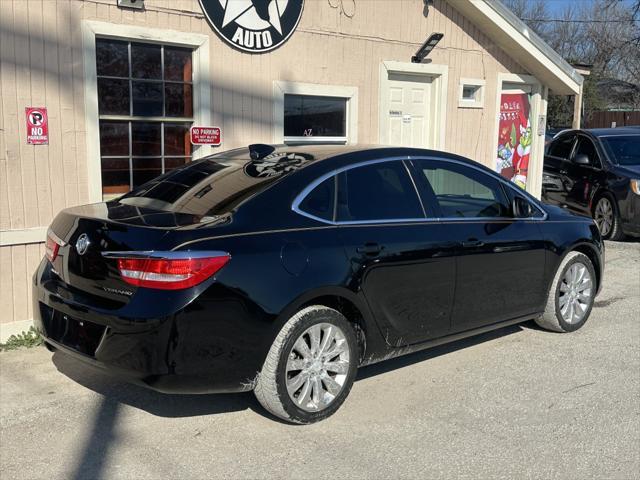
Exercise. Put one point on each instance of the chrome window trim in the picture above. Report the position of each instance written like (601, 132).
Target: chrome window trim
(166, 255)
(295, 206)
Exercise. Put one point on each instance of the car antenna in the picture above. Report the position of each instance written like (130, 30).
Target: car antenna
(258, 151)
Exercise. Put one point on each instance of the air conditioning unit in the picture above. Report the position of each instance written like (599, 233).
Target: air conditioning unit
(135, 4)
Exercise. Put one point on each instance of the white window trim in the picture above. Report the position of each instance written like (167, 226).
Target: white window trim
(439, 75)
(538, 112)
(201, 84)
(474, 82)
(280, 88)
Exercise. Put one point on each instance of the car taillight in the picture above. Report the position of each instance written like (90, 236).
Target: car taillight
(169, 273)
(52, 246)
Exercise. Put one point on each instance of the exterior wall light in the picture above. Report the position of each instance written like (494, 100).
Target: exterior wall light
(426, 47)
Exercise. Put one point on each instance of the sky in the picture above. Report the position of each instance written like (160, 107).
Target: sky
(557, 6)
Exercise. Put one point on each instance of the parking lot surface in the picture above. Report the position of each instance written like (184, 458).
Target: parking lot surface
(516, 403)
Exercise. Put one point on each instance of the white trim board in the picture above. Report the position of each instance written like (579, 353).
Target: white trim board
(280, 88)
(439, 75)
(201, 83)
(23, 236)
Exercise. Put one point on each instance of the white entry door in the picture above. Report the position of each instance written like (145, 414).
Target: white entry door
(408, 110)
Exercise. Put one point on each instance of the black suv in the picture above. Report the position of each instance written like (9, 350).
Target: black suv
(597, 173)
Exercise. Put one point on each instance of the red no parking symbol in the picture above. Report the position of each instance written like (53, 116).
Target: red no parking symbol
(37, 126)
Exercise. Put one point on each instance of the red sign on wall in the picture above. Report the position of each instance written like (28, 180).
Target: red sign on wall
(37, 126)
(514, 137)
(206, 135)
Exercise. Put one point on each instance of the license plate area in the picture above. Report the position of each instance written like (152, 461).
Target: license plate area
(80, 335)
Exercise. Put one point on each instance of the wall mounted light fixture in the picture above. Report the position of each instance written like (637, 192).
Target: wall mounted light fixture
(426, 47)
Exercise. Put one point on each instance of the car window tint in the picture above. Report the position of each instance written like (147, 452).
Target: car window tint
(320, 201)
(623, 149)
(586, 147)
(464, 192)
(201, 188)
(380, 191)
(561, 146)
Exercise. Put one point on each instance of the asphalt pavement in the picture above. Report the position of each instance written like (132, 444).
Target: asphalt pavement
(516, 403)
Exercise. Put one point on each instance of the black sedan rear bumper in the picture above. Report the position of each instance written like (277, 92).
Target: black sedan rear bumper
(175, 354)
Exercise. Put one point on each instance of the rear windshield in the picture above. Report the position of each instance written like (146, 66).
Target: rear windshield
(205, 188)
(623, 149)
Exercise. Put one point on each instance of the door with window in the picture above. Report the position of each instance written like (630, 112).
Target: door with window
(499, 259)
(556, 165)
(145, 106)
(583, 179)
(408, 102)
(400, 261)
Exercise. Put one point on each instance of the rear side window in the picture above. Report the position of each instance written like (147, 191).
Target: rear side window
(464, 192)
(380, 191)
(561, 146)
(321, 200)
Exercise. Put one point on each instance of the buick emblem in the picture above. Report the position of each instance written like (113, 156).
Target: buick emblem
(254, 26)
(82, 244)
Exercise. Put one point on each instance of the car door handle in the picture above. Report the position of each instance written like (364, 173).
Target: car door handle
(472, 242)
(370, 249)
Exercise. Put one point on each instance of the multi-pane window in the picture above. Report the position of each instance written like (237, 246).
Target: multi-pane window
(145, 104)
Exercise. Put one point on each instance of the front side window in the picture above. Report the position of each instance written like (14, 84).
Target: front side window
(379, 191)
(463, 192)
(308, 117)
(561, 147)
(145, 107)
(586, 147)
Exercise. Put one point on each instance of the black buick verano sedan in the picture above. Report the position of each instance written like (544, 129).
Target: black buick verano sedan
(282, 270)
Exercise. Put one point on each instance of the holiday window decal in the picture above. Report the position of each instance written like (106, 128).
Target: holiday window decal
(514, 138)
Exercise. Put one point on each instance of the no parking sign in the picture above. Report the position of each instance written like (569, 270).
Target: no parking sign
(37, 126)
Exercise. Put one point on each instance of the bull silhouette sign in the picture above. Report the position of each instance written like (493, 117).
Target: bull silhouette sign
(37, 126)
(253, 26)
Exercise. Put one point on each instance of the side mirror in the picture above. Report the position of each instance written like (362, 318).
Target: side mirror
(522, 208)
(581, 159)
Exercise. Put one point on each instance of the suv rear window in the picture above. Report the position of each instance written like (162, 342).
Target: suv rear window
(207, 187)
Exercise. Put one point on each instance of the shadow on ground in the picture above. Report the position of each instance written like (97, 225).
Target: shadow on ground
(118, 392)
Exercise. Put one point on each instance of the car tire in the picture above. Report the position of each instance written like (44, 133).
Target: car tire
(573, 290)
(607, 217)
(307, 383)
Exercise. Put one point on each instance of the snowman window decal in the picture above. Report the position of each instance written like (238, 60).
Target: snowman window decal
(254, 26)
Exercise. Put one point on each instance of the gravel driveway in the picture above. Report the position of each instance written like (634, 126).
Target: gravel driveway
(516, 403)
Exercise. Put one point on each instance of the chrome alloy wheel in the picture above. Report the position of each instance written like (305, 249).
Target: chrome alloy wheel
(604, 216)
(317, 367)
(576, 293)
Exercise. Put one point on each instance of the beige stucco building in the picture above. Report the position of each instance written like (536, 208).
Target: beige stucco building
(122, 87)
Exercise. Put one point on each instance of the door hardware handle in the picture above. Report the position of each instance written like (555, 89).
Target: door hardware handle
(472, 242)
(370, 249)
